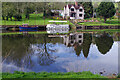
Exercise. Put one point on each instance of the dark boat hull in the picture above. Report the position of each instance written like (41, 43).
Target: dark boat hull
(28, 28)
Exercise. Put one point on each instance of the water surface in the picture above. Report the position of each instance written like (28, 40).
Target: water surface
(61, 53)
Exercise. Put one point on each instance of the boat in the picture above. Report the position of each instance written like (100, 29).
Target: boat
(25, 27)
(57, 28)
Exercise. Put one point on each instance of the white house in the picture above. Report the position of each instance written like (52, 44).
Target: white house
(74, 11)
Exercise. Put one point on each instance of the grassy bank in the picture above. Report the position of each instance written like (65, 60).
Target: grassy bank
(38, 32)
(85, 74)
(99, 30)
(45, 32)
(112, 22)
(15, 33)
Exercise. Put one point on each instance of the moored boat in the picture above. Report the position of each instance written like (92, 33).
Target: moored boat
(25, 27)
(57, 28)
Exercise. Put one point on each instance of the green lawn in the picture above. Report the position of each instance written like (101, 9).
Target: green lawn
(35, 19)
(112, 22)
(38, 19)
(15, 33)
(84, 74)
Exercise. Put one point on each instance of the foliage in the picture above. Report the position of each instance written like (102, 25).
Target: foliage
(106, 10)
(88, 7)
(18, 9)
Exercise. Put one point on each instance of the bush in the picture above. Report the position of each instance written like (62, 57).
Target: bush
(114, 17)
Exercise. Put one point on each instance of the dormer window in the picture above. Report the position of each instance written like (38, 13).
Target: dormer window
(72, 9)
(80, 10)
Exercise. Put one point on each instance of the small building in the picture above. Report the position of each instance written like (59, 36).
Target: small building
(73, 11)
(57, 12)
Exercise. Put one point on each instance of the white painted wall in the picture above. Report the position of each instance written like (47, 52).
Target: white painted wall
(68, 11)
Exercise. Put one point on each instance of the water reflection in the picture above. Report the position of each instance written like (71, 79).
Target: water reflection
(64, 53)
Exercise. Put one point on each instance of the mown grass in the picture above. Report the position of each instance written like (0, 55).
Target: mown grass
(35, 19)
(84, 74)
(112, 22)
(38, 19)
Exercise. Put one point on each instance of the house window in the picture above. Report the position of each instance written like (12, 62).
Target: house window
(71, 42)
(80, 10)
(73, 15)
(80, 15)
(80, 36)
(79, 41)
(72, 9)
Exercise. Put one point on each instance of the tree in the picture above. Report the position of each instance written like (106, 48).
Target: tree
(88, 7)
(106, 10)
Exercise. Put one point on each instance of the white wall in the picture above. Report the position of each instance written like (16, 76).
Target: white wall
(79, 12)
(68, 11)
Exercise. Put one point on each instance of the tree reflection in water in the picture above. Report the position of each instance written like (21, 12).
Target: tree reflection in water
(104, 43)
(16, 49)
(23, 47)
(43, 53)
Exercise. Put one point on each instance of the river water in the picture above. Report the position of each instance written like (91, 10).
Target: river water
(77, 52)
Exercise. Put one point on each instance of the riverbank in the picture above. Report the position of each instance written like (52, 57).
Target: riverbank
(109, 22)
(84, 74)
(38, 19)
(45, 32)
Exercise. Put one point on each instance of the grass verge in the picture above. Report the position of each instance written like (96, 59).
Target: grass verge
(84, 74)
(113, 22)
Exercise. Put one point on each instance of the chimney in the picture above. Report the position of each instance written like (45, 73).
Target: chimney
(76, 4)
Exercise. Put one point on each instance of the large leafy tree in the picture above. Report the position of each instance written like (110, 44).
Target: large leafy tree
(106, 10)
(88, 7)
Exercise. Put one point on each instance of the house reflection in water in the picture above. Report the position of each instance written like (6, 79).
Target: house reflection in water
(73, 38)
(81, 42)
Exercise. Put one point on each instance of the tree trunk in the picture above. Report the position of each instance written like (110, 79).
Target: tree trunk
(104, 20)
(3, 18)
(11, 18)
(7, 18)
